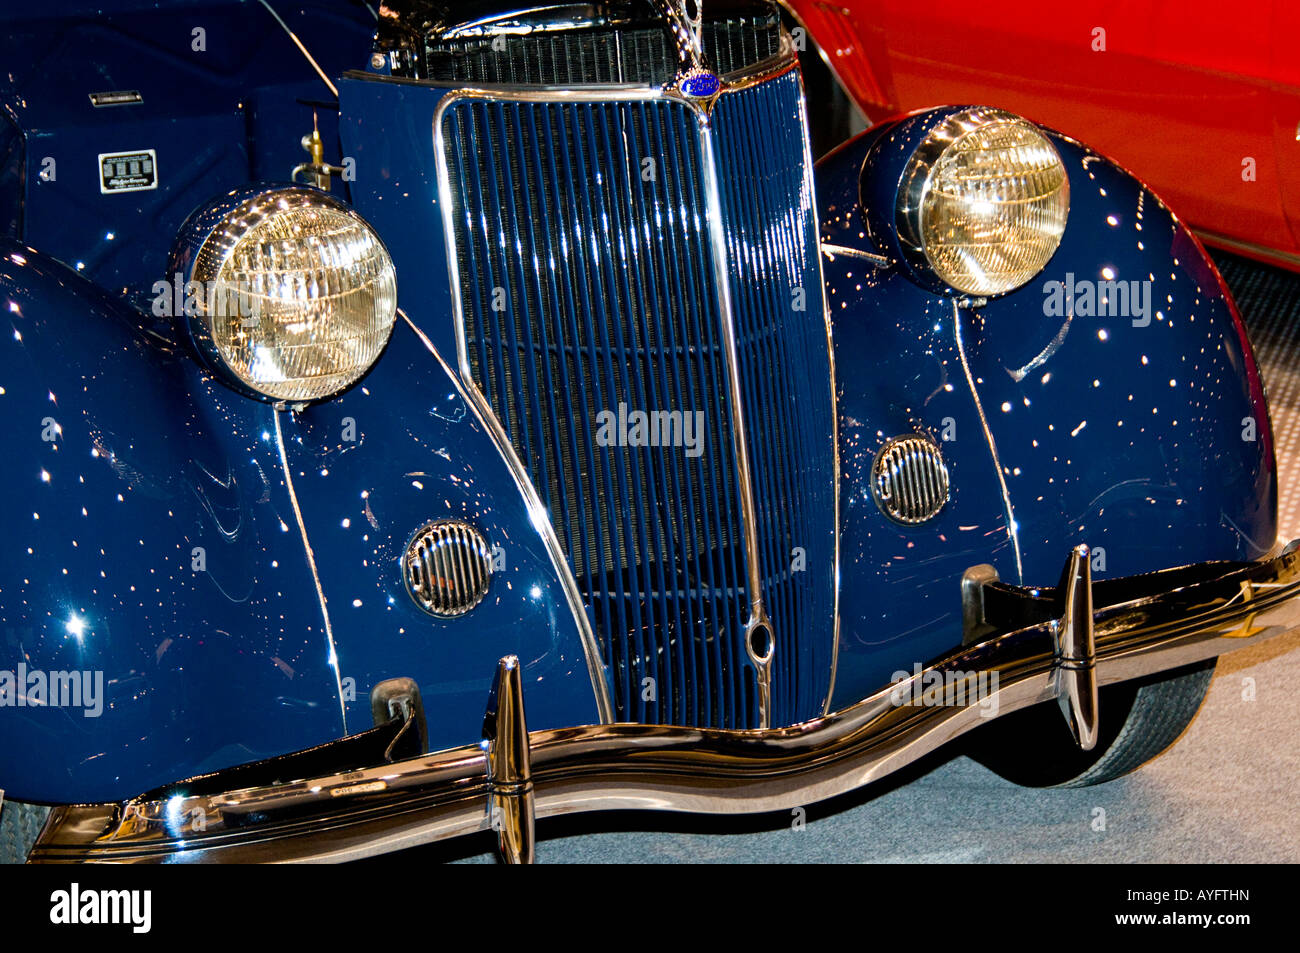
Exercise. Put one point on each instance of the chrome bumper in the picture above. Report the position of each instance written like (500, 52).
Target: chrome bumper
(1065, 650)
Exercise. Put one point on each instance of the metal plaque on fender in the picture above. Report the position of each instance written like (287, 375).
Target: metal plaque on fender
(128, 171)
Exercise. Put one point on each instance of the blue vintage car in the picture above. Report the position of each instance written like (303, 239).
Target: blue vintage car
(369, 370)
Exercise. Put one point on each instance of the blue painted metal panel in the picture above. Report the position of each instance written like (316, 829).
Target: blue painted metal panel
(1081, 417)
(127, 468)
(370, 468)
(13, 185)
(219, 109)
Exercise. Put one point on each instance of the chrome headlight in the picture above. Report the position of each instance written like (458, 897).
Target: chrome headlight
(983, 201)
(289, 291)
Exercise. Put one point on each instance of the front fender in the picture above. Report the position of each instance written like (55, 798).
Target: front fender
(370, 468)
(1142, 431)
(227, 573)
(1148, 439)
(150, 543)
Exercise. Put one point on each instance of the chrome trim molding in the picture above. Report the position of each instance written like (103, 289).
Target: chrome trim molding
(810, 187)
(1013, 530)
(770, 68)
(776, 65)
(758, 618)
(311, 562)
(833, 251)
(1187, 615)
(302, 49)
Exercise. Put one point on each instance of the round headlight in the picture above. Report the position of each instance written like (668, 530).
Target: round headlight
(296, 293)
(983, 201)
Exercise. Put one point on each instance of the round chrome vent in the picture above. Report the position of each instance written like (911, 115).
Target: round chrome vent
(447, 568)
(909, 479)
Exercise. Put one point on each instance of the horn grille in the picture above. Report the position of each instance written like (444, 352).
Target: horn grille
(909, 479)
(447, 567)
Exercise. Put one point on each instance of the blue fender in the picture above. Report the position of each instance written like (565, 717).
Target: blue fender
(373, 466)
(149, 541)
(1145, 437)
(170, 534)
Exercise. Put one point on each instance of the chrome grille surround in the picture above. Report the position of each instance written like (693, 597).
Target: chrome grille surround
(447, 568)
(644, 608)
(909, 479)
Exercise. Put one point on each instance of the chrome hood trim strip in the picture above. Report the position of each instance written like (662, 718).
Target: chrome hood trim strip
(758, 618)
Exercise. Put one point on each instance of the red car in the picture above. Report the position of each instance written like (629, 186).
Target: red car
(1198, 99)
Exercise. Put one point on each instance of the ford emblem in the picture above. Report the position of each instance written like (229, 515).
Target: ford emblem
(700, 84)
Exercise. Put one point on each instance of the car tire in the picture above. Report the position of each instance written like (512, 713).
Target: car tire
(1139, 720)
(19, 826)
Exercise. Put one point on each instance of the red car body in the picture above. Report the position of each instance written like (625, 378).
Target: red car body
(1198, 99)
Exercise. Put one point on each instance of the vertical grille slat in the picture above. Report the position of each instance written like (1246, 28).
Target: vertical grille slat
(698, 658)
(628, 610)
(660, 395)
(614, 298)
(618, 272)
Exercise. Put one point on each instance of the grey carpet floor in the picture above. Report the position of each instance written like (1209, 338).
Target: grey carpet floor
(1225, 792)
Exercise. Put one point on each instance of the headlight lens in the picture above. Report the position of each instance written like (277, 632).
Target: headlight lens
(298, 296)
(985, 199)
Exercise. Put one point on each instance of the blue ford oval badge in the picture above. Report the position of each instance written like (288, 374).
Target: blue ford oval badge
(700, 84)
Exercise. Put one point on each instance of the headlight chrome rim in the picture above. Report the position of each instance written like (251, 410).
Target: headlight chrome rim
(916, 188)
(204, 248)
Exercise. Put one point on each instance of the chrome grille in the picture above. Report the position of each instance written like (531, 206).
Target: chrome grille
(587, 285)
(613, 54)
